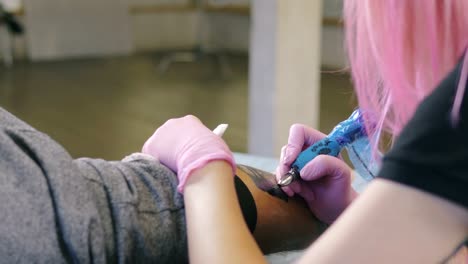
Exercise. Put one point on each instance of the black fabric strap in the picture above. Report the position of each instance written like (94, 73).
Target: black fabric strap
(247, 203)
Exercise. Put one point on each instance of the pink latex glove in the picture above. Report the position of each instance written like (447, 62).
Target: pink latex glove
(326, 180)
(184, 145)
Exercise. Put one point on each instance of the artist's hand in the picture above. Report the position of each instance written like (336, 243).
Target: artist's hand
(326, 180)
(185, 145)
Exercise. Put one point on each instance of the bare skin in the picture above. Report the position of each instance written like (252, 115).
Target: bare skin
(281, 225)
(371, 228)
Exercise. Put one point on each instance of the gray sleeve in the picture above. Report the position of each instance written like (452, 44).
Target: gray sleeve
(58, 210)
(138, 201)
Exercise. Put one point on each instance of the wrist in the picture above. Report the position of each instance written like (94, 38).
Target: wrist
(189, 168)
(213, 170)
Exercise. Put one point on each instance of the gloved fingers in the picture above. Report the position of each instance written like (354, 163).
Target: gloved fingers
(185, 119)
(185, 144)
(284, 164)
(174, 137)
(323, 166)
(286, 189)
(187, 122)
(181, 124)
(296, 187)
(307, 194)
(300, 137)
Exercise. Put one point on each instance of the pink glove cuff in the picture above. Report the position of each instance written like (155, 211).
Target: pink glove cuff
(197, 164)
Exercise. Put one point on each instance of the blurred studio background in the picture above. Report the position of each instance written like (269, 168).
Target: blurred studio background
(99, 76)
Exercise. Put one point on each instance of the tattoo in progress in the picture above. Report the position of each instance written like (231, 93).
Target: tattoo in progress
(265, 181)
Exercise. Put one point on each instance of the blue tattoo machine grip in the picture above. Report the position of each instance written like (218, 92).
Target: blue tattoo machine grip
(344, 134)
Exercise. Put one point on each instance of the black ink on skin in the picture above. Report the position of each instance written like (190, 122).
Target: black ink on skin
(265, 181)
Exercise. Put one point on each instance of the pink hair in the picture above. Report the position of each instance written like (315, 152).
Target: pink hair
(399, 50)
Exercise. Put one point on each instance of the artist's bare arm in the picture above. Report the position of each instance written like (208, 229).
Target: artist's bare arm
(217, 232)
(392, 223)
(294, 226)
(283, 223)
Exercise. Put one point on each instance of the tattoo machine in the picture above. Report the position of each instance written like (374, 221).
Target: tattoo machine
(349, 134)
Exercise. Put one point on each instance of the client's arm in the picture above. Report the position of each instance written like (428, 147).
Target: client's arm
(282, 223)
(213, 215)
(371, 230)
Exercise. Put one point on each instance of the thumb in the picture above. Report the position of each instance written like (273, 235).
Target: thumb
(324, 165)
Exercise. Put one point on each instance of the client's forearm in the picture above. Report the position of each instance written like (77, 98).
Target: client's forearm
(282, 223)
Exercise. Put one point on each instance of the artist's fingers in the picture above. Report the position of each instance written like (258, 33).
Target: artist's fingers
(300, 137)
(325, 166)
(284, 164)
(296, 187)
(307, 194)
(286, 189)
(282, 169)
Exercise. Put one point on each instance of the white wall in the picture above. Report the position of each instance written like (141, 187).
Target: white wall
(11, 5)
(164, 31)
(229, 31)
(232, 33)
(184, 29)
(332, 8)
(58, 29)
(222, 31)
(333, 52)
(180, 30)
